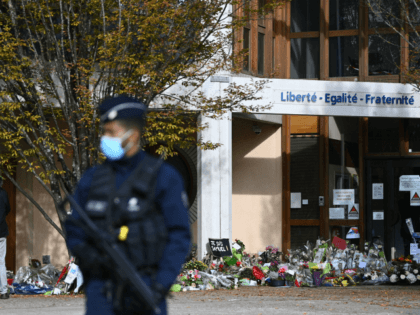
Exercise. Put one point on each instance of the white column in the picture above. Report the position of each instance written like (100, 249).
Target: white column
(214, 194)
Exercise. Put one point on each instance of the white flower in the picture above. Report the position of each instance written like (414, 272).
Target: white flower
(393, 278)
(415, 271)
(402, 277)
(411, 278)
(190, 272)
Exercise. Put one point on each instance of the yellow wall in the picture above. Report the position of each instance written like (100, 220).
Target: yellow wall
(34, 235)
(256, 185)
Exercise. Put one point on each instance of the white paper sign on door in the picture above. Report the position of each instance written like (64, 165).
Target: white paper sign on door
(354, 211)
(337, 213)
(409, 182)
(415, 198)
(378, 191)
(414, 249)
(343, 196)
(295, 200)
(378, 215)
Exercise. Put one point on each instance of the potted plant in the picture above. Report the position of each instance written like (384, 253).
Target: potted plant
(290, 279)
(281, 279)
(317, 275)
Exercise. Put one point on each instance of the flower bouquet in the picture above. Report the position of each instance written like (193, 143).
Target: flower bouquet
(319, 272)
(191, 278)
(274, 266)
(290, 279)
(195, 264)
(281, 278)
(270, 254)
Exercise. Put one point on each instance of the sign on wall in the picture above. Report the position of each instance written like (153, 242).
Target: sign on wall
(220, 247)
(295, 200)
(337, 213)
(354, 212)
(357, 99)
(343, 196)
(409, 182)
(378, 215)
(378, 191)
(415, 198)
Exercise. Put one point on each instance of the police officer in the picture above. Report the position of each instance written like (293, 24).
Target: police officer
(132, 189)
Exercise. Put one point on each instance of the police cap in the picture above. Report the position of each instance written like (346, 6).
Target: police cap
(121, 107)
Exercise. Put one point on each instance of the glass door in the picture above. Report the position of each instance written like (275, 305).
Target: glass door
(387, 207)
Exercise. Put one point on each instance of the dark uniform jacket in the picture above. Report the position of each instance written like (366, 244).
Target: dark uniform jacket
(168, 198)
(4, 211)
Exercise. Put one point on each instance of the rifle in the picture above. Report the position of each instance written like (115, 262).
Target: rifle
(125, 271)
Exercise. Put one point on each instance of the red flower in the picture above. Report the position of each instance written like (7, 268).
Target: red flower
(257, 273)
(238, 263)
(221, 266)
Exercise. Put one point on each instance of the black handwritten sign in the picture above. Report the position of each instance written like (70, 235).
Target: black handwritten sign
(220, 247)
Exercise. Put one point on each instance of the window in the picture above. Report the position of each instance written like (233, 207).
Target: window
(383, 135)
(304, 15)
(305, 61)
(246, 48)
(413, 129)
(305, 58)
(384, 54)
(414, 51)
(382, 12)
(261, 53)
(414, 12)
(344, 56)
(342, 43)
(344, 15)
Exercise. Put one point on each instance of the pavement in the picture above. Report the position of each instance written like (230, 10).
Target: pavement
(363, 300)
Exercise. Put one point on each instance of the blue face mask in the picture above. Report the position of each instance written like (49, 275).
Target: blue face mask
(112, 148)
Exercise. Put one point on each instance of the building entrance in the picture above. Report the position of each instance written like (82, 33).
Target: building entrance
(386, 206)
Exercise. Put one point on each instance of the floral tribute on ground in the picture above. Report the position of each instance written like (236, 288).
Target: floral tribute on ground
(323, 263)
